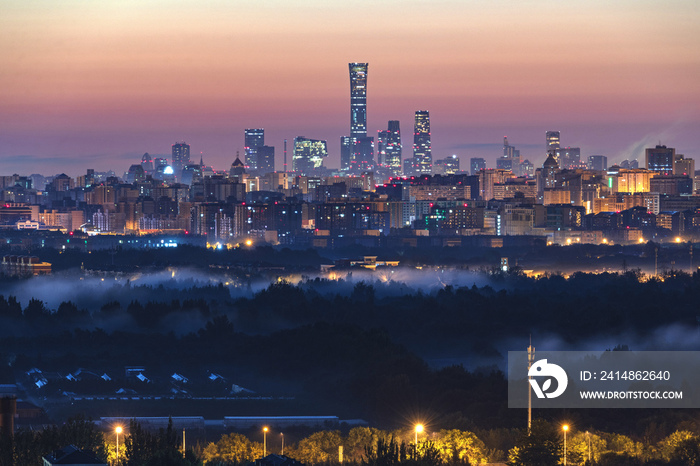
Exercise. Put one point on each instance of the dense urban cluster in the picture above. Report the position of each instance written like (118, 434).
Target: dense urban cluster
(416, 200)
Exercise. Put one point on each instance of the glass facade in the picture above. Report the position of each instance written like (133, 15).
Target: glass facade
(422, 147)
(254, 138)
(358, 100)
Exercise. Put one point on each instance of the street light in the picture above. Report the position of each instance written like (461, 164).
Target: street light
(265, 429)
(118, 431)
(282, 434)
(565, 427)
(418, 430)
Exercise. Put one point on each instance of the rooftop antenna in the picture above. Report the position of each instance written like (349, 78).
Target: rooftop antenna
(285, 156)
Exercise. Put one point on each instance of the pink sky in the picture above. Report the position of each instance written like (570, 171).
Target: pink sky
(97, 84)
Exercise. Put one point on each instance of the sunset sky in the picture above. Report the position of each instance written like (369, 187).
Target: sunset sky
(95, 84)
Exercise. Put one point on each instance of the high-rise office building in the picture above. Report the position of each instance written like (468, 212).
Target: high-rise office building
(346, 152)
(308, 154)
(447, 166)
(358, 100)
(382, 137)
(476, 164)
(181, 156)
(363, 154)
(254, 138)
(392, 156)
(553, 142)
(510, 159)
(266, 159)
(597, 162)
(511, 153)
(359, 156)
(568, 157)
(683, 166)
(660, 159)
(422, 147)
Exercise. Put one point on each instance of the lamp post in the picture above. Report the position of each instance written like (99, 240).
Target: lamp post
(282, 435)
(588, 435)
(565, 428)
(418, 430)
(118, 431)
(265, 429)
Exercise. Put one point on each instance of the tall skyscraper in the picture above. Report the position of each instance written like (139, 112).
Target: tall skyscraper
(266, 159)
(660, 159)
(181, 156)
(392, 156)
(422, 147)
(358, 100)
(360, 155)
(254, 138)
(382, 136)
(476, 164)
(553, 142)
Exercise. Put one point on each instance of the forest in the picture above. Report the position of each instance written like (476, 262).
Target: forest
(386, 351)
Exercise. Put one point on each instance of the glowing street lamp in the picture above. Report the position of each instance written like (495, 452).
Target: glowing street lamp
(565, 427)
(418, 430)
(118, 431)
(265, 429)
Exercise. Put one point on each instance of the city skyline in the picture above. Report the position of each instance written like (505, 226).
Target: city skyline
(109, 82)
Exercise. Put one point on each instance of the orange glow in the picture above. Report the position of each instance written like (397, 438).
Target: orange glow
(81, 77)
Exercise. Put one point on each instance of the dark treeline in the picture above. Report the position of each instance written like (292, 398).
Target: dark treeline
(360, 352)
(574, 309)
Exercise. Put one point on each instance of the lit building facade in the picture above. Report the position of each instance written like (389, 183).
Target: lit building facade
(357, 150)
(254, 138)
(308, 154)
(181, 155)
(476, 164)
(660, 159)
(422, 146)
(393, 147)
(447, 166)
(553, 142)
(358, 100)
